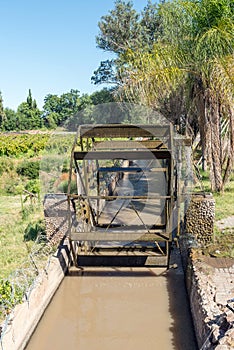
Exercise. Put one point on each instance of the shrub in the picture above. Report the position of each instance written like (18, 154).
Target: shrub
(23, 144)
(32, 231)
(29, 169)
(52, 163)
(10, 295)
(9, 184)
(63, 186)
(6, 165)
(33, 186)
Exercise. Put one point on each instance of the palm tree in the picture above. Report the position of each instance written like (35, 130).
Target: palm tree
(193, 62)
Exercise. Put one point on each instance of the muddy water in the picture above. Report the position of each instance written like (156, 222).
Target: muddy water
(117, 309)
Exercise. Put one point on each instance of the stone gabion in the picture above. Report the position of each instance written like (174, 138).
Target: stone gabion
(56, 229)
(56, 217)
(199, 219)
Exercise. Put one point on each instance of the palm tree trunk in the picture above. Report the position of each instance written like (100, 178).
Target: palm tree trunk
(214, 148)
(230, 160)
(202, 120)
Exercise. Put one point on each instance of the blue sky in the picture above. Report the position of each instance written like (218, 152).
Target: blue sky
(49, 46)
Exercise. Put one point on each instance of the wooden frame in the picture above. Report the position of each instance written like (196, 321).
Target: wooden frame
(158, 146)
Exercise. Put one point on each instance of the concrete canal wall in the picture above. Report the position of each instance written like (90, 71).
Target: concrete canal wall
(26, 316)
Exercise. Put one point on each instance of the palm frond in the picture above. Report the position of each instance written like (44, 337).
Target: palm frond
(222, 78)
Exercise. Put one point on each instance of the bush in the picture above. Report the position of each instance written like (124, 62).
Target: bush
(52, 163)
(32, 231)
(63, 186)
(10, 184)
(6, 165)
(29, 169)
(9, 295)
(33, 186)
(15, 145)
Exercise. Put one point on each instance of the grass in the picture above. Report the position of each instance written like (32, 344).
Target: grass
(223, 245)
(224, 202)
(13, 249)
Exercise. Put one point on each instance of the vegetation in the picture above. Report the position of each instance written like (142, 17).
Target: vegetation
(29, 169)
(22, 145)
(223, 201)
(24, 156)
(9, 297)
(223, 243)
(15, 218)
(56, 110)
(2, 112)
(123, 29)
(177, 57)
(20, 225)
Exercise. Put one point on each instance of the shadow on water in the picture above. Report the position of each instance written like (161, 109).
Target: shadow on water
(115, 272)
(182, 328)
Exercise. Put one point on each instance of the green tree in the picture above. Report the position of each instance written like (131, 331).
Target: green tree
(10, 121)
(150, 24)
(88, 112)
(57, 109)
(70, 103)
(204, 45)
(193, 64)
(29, 99)
(51, 110)
(28, 115)
(124, 29)
(102, 96)
(119, 31)
(2, 112)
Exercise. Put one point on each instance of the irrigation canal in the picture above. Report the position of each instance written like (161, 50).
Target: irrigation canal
(118, 308)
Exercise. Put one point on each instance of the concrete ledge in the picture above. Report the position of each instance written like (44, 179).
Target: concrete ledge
(26, 316)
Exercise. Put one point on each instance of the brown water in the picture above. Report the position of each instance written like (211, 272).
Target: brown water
(117, 309)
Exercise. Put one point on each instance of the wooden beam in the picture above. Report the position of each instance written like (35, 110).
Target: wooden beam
(131, 155)
(116, 169)
(130, 169)
(123, 130)
(129, 144)
(150, 196)
(119, 236)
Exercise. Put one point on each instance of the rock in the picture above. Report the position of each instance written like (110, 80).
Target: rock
(215, 310)
(230, 333)
(221, 298)
(223, 341)
(215, 334)
(230, 316)
(222, 347)
(230, 342)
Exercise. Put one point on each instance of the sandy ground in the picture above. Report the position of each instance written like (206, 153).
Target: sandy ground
(226, 223)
